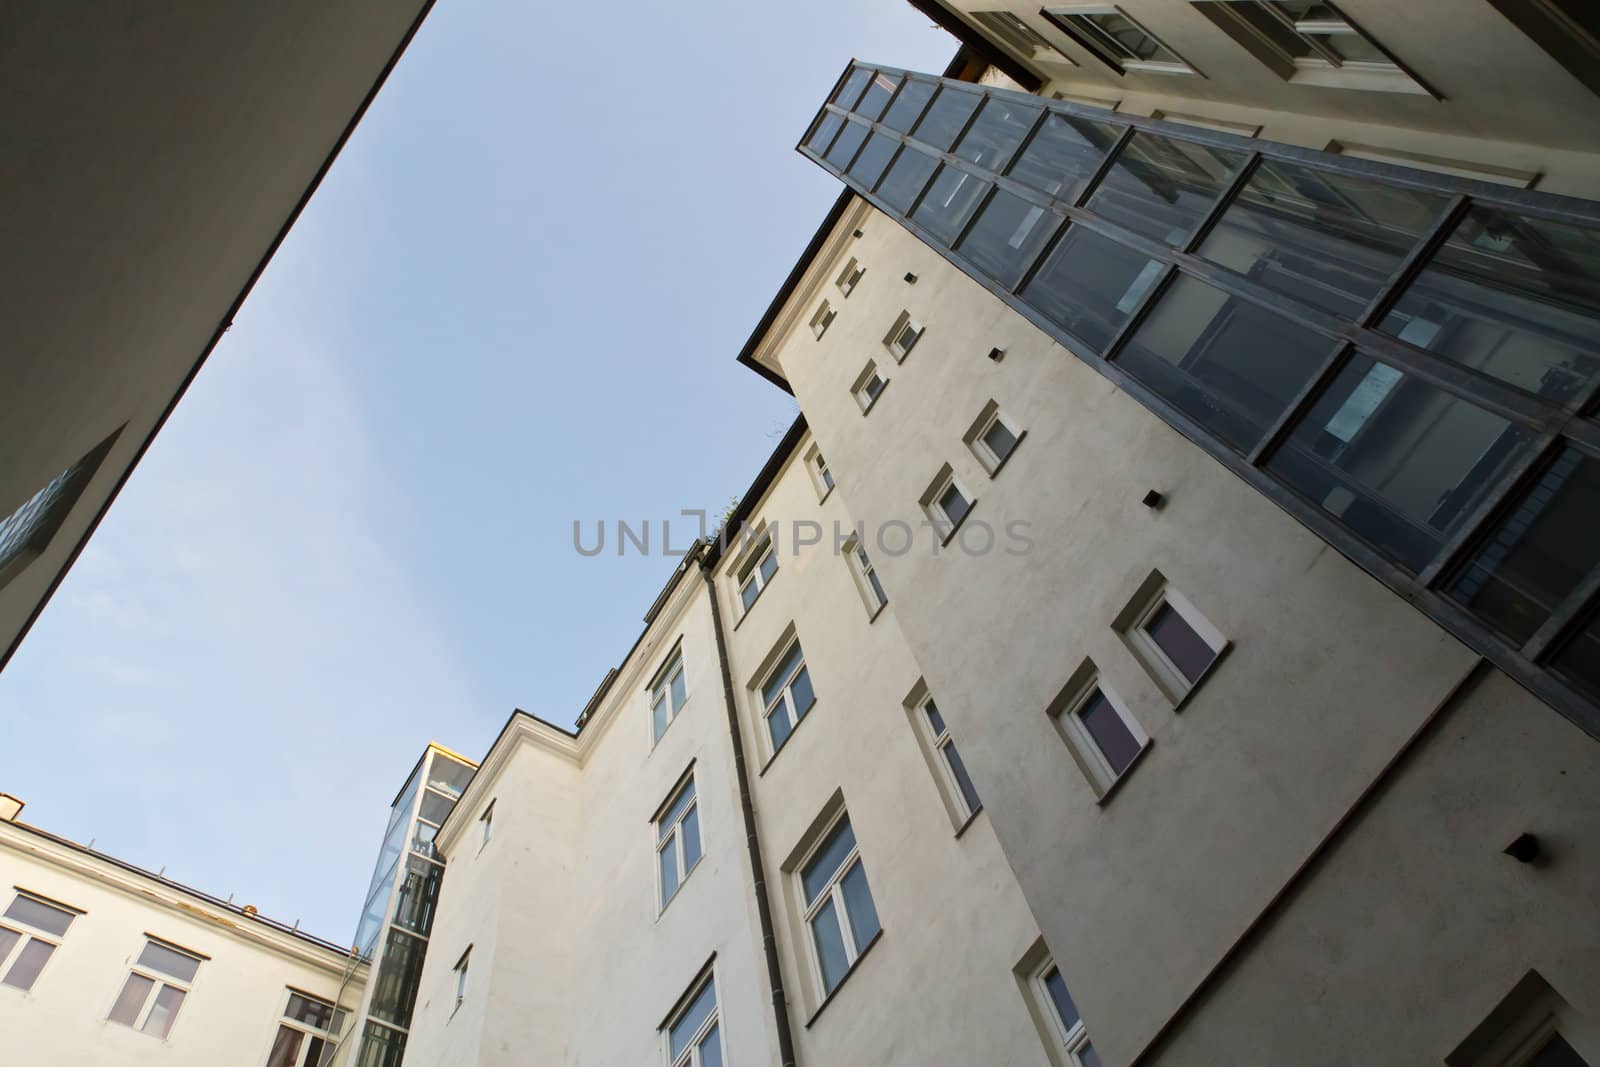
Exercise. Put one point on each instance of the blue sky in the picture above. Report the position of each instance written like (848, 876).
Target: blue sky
(515, 302)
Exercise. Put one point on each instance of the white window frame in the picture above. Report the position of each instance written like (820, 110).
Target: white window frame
(822, 320)
(661, 686)
(692, 1055)
(1085, 749)
(26, 932)
(943, 523)
(158, 978)
(943, 772)
(666, 835)
(785, 702)
(988, 458)
(1013, 33)
(832, 890)
(1131, 625)
(850, 277)
(1324, 66)
(329, 1036)
(748, 573)
(486, 820)
(873, 596)
(821, 476)
(866, 399)
(895, 340)
(1107, 48)
(460, 973)
(1071, 1040)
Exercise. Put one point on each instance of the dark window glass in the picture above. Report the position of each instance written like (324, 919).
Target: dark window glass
(945, 118)
(954, 505)
(692, 1019)
(1174, 636)
(1272, 28)
(1090, 284)
(907, 175)
(1327, 239)
(29, 962)
(46, 917)
(858, 906)
(395, 994)
(949, 202)
(8, 941)
(870, 164)
(1513, 297)
(830, 946)
(286, 1048)
(828, 859)
(935, 719)
(822, 133)
(1539, 552)
(1006, 236)
(419, 895)
(1000, 439)
(1111, 735)
(1231, 366)
(780, 675)
(381, 1046)
(969, 792)
(1579, 659)
(845, 145)
(1066, 1010)
(1583, 13)
(850, 91)
(800, 689)
(996, 132)
(179, 965)
(1557, 1053)
(314, 1013)
(1394, 459)
(873, 101)
(1161, 187)
(1064, 155)
(778, 726)
(908, 104)
(1088, 1057)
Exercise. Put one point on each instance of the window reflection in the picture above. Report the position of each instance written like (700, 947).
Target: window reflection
(879, 90)
(949, 202)
(996, 133)
(913, 97)
(1064, 155)
(850, 91)
(946, 116)
(1090, 285)
(1006, 235)
(907, 175)
(1161, 187)
(845, 145)
(869, 165)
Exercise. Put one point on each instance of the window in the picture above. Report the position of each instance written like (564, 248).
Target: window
(28, 531)
(821, 476)
(1117, 40)
(992, 438)
(156, 988)
(822, 320)
(677, 840)
(1569, 30)
(1309, 41)
(1007, 235)
(25, 951)
(838, 905)
(308, 1033)
(460, 973)
(869, 385)
(850, 277)
(694, 1032)
(486, 820)
(1103, 737)
(947, 503)
(1165, 632)
(754, 574)
(950, 773)
(902, 336)
(867, 582)
(667, 694)
(1017, 37)
(1532, 1026)
(786, 695)
(1065, 1026)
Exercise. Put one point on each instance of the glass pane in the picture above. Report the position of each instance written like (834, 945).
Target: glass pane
(873, 101)
(1273, 29)
(1231, 366)
(1088, 1057)
(1090, 284)
(997, 131)
(381, 1046)
(38, 914)
(845, 145)
(1000, 439)
(906, 177)
(769, 566)
(830, 946)
(748, 593)
(858, 906)
(954, 505)
(679, 692)
(823, 132)
(131, 1000)
(690, 832)
(1329, 240)
(1538, 553)
(160, 958)
(850, 89)
(29, 962)
(165, 1013)
(711, 1049)
(950, 200)
(1161, 187)
(1354, 48)
(447, 775)
(908, 105)
(877, 587)
(1066, 1010)
(800, 691)
(682, 800)
(668, 859)
(1186, 649)
(1131, 38)
(935, 720)
(1111, 735)
(946, 116)
(658, 713)
(692, 1019)
(394, 995)
(314, 1013)
(1008, 234)
(827, 859)
(1394, 459)
(422, 841)
(418, 897)
(969, 792)
(435, 807)
(1064, 155)
(8, 941)
(869, 165)
(780, 674)
(1513, 297)
(779, 727)
(286, 1048)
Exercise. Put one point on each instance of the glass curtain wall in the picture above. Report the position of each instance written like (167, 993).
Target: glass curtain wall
(1406, 362)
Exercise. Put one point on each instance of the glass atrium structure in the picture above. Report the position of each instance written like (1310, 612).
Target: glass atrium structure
(1406, 362)
(398, 915)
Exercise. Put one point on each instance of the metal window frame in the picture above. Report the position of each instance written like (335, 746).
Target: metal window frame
(1550, 423)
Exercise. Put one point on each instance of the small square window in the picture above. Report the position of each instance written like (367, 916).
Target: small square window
(868, 386)
(902, 336)
(677, 840)
(1117, 40)
(947, 503)
(1103, 736)
(850, 277)
(992, 438)
(868, 584)
(822, 320)
(1169, 636)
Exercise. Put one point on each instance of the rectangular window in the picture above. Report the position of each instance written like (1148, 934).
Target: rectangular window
(992, 438)
(949, 771)
(677, 840)
(821, 476)
(308, 1033)
(156, 987)
(28, 945)
(1117, 40)
(667, 692)
(822, 320)
(866, 576)
(460, 972)
(902, 336)
(694, 1033)
(754, 574)
(1310, 42)
(947, 503)
(786, 695)
(839, 911)
(1175, 643)
(1006, 236)
(1102, 735)
(850, 277)
(1066, 1030)
(486, 821)
(869, 385)
(1017, 37)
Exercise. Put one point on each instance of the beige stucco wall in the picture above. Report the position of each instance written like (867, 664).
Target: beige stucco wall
(232, 1010)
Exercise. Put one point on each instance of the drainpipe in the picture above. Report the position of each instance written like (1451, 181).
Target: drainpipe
(769, 940)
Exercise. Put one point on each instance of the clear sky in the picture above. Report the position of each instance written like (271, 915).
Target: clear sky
(515, 302)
